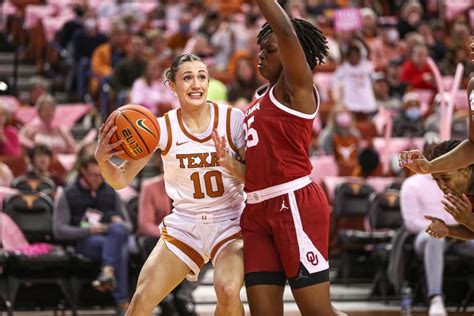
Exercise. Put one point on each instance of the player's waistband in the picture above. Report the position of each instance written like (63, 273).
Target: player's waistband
(277, 190)
(211, 217)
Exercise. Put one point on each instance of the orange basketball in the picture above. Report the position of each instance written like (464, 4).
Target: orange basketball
(138, 128)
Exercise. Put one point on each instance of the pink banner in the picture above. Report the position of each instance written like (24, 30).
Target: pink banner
(347, 20)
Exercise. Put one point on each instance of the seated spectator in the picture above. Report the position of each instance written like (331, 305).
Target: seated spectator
(150, 90)
(129, 69)
(410, 19)
(396, 86)
(409, 122)
(108, 55)
(85, 150)
(416, 72)
(45, 130)
(245, 81)
(415, 205)
(381, 92)
(386, 47)
(90, 213)
(368, 164)
(9, 142)
(40, 163)
(76, 24)
(341, 139)
(352, 84)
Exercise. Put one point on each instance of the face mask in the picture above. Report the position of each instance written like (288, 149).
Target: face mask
(413, 114)
(343, 119)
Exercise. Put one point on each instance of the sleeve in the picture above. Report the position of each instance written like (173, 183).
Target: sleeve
(411, 209)
(61, 218)
(163, 133)
(123, 213)
(237, 127)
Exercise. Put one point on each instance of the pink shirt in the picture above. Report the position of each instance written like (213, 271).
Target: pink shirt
(153, 205)
(56, 137)
(420, 196)
(151, 96)
(10, 146)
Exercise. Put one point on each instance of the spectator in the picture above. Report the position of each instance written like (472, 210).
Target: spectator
(409, 122)
(90, 213)
(416, 72)
(369, 164)
(108, 55)
(9, 142)
(415, 204)
(381, 92)
(386, 47)
(341, 139)
(39, 87)
(128, 70)
(150, 90)
(87, 40)
(6, 177)
(45, 130)
(352, 84)
(410, 18)
(369, 25)
(396, 86)
(40, 164)
(245, 80)
(178, 40)
(438, 49)
(76, 24)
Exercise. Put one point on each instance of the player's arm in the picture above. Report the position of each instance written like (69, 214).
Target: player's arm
(470, 100)
(460, 232)
(117, 177)
(298, 77)
(232, 164)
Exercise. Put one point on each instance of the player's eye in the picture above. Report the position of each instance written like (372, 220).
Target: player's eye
(202, 77)
(187, 78)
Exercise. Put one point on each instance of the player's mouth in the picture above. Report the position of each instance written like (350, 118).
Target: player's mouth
(195, 95)
(260, 66)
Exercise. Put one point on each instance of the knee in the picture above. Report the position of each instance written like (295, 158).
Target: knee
(118, 229)
(228, 291)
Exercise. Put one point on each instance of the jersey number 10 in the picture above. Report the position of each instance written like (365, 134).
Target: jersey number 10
(210, 190)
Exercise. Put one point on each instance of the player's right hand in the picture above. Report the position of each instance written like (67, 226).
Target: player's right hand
(437, 228)
(97, 229)
(415, 161)
(105, 150)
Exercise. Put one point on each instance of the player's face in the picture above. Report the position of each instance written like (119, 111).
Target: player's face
(457, 181)
(191, 83)
(269, 63)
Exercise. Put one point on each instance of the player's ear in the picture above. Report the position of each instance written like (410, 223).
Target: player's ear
(172, 86)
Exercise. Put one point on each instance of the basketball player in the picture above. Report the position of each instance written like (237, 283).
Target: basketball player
(208, 199)
(461, 156)
(285, 224)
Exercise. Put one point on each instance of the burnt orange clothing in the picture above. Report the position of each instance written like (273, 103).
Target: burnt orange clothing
(101, 65)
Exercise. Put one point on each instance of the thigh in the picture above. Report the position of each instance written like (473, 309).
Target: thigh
(265, 300)
(300, 227)
(229, 265)
(314, 300)
(91, 246)
(260, 253)
(161, 273)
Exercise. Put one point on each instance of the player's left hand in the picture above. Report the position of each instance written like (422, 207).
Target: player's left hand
(459, 207)
(220, 142)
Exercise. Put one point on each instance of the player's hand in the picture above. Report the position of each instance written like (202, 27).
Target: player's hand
(459, 207)
(437, 228)
(105, 150)
(415, 161)
(98, 229)
(220, 142)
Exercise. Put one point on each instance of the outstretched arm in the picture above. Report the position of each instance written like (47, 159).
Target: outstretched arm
(227, 161)
(298, 77)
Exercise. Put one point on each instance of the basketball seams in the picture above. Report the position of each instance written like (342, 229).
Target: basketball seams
(117, 137)
(136, 131)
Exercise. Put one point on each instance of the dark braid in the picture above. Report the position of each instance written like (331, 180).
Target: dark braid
(444, 148)
(173, 70)
(311, 38)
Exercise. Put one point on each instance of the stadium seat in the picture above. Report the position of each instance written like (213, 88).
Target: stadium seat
(32, 184)
(33, 215)
(351, 206)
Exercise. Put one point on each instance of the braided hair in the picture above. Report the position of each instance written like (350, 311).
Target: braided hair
(311, 38)
(444, 148)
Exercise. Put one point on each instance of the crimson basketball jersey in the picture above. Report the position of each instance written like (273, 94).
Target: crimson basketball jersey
(277, 142)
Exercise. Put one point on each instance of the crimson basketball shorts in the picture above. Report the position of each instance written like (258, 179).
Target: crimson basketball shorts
(285, 229)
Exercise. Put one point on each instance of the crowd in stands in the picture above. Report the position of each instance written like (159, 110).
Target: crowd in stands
(379, 87)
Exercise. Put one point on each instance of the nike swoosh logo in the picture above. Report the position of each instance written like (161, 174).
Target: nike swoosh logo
(141, 124)
(179, 144)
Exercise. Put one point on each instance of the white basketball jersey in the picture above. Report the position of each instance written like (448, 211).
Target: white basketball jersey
(194, 180)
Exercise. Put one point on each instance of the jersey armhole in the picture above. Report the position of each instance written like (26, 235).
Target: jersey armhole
(228, 130)
(170, 136)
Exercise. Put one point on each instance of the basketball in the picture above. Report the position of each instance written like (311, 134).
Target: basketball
(138, 128)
